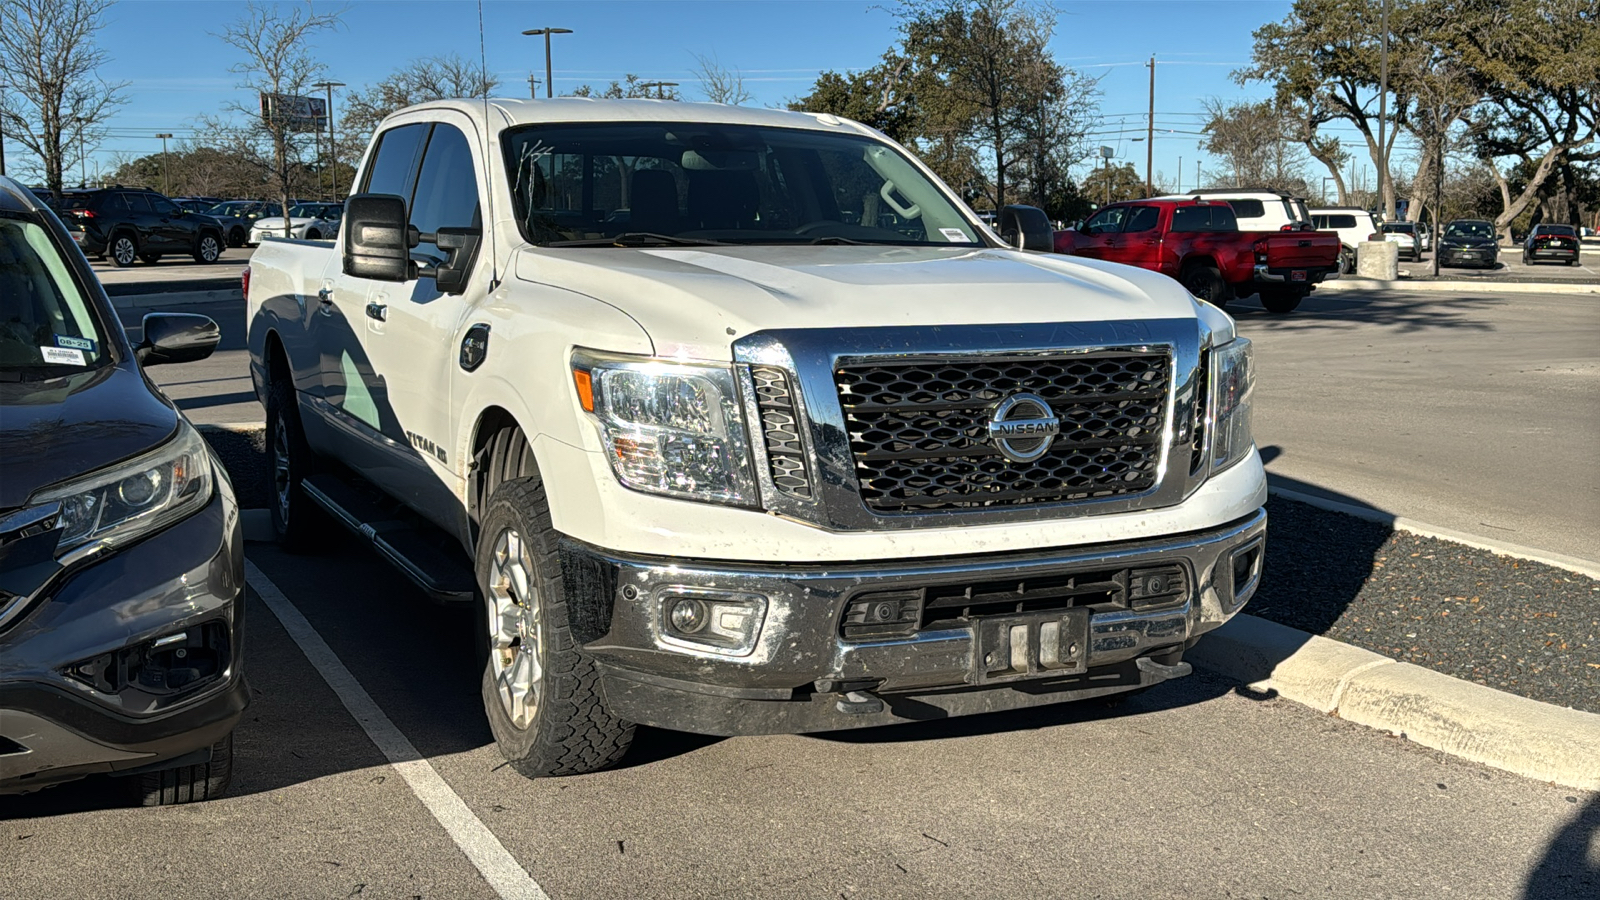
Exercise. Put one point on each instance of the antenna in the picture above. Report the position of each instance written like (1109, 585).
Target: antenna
(488, 159)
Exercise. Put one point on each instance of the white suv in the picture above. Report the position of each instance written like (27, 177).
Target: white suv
(1353, 225)
(1258, 210)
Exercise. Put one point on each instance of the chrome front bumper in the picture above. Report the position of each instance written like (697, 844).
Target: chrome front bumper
(799, 661)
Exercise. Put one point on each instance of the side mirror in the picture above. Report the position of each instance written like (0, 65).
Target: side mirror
(176, 338)
(378, 238)
(1026, 228)
(461, 248)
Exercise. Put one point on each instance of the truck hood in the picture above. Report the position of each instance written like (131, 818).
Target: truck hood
(694, 302)
(66, 427)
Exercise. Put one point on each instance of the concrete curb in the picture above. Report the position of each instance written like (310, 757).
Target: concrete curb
(175, 298)
(1477, 723)
(1585, 567)
(1499, 287)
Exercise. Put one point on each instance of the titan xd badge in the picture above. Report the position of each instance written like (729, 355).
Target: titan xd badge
(1022, 426)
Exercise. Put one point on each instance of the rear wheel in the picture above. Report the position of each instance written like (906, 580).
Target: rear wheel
(299, 522)
(1281, 302)
(187, 784)
(541, 692)
(207, 249)
(1347, 260)
(1206, 283)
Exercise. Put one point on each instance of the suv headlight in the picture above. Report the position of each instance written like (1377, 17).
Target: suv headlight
(122, 503)
(1234, 378)
(669, 427)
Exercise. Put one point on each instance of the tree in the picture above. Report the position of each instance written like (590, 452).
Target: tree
(1110, 184)
(719, 84)
(421, 80)
(1250, 139)
(55, 102)
(277, 66)
(878, 97)
(631, 87)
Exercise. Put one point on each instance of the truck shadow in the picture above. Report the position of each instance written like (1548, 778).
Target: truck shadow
(1399, 311)
(1570, 866)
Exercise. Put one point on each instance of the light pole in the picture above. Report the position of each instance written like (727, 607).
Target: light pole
(83, 164)
(166, 183)
(659, 86)
(2, 130)
(333, 145)
(1383, 116)
(549, 85)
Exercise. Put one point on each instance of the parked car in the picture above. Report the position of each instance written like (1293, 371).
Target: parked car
(1469, 242)
(1198, 243)
(740, 466)
(1557, 242)
(197, 204)
(1403, 234)
(239, 216)
(309, 221)
(130, 224)
(121, 556)
(1353, 225)
(1258, 210)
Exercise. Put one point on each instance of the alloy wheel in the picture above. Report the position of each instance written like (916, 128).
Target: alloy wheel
(208, 249)
(514, 628)
(124, 251)
(281, 482)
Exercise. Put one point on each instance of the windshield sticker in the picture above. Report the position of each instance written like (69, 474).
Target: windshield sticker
(74, 343)
(62, 356)
(955, 235)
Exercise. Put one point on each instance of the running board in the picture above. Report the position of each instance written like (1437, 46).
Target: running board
(401, 543)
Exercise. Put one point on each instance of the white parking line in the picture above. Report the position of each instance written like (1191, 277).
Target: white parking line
(493, 861)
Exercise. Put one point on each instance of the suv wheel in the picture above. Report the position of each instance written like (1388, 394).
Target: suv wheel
(541, 692)
(236, 237)
(207, 249)
(123, 250)
(187, 784)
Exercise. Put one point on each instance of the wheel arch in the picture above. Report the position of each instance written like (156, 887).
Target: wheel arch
(501, 449)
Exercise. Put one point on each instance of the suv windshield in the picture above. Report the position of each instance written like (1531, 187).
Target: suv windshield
(46, 324)
(1399, 227)
(314, 211)
(693, 183)
(1469, 229)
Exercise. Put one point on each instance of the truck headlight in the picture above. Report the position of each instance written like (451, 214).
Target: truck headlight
(669, 427)
(1234, 378)
(121, 504)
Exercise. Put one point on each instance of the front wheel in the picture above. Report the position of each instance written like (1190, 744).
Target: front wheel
(299, 522)
(1281, 302)
(207, 249)
(541, 692)
(187, 784)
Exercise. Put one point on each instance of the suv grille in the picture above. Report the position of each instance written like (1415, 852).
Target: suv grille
(919, 429)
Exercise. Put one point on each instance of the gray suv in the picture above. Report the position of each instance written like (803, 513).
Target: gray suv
(121, 554)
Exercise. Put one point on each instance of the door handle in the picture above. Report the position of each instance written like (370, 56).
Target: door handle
(325, 296)
(378, 311)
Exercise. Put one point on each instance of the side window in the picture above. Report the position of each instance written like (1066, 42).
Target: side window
(1106, 221)
(162, 205)
(447, 187)
(1188, 219)
(1342, 221)
(137, 202)
(113, 203)
(1144, 218)
(393, 160)
(1247, 209)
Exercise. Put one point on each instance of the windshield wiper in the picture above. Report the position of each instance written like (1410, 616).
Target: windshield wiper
(640, 239)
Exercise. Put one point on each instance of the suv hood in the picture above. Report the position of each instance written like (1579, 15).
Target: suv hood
(56, 430)
(694, 302)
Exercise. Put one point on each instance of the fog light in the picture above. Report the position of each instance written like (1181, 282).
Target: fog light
(718, 621)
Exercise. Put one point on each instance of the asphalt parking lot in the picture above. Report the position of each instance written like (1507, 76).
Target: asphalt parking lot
(1425, 405)
(1510, 267)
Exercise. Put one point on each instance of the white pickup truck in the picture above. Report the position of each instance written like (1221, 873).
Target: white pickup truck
(739, 421)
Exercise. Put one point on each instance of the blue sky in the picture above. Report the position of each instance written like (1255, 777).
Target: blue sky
(177, 69)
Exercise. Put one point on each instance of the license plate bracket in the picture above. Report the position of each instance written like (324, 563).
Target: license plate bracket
(1298, 275)
(1013, 648)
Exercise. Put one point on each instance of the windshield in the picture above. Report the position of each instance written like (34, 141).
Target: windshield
(313, 211)
(683, 183)
(1555, 230)
(46, 325)
(1399, 227)
(1469, 229)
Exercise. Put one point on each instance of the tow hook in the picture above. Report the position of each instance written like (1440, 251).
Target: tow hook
(855, 697)
(1161, 671)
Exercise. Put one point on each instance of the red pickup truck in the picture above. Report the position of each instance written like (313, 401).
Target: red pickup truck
(1198, 242)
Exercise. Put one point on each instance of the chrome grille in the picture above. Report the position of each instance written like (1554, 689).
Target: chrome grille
(1201, 407)
(780, 427)
(918, 428)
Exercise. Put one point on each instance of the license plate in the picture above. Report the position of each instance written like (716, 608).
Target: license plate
(1011, 648)
(77, 237)
(1298, 275)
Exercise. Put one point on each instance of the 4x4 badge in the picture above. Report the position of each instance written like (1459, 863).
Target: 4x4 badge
(1023, 426)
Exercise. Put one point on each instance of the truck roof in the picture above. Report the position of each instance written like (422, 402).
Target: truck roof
(514, 112)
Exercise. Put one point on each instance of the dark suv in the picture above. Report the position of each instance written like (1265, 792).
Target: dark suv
(131, 223)
(121, 554)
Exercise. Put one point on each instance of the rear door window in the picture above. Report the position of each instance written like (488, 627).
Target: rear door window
(162, 205)
(1339, 222)
(1210, 217)
(137, 203)
(1247, 209)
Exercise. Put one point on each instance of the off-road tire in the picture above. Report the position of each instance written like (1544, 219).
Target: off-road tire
(1206, 283)
(572, 731)
(1347, 261)
(298, 521)
(207, 249)
(123, 250)
(187, 784)
(1281, 302)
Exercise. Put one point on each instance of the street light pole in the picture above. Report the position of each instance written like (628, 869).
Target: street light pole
(549, 84)
(166, 183)
(1383, 115)
(333, 145)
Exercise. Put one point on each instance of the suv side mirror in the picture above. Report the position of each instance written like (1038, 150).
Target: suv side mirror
(176, 338)
(1026, 228)
(378, 238)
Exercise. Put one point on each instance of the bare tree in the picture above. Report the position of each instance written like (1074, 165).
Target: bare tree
(56, 103)
(721, 85)
(278, 67)
(1252, 140)
(421, 80)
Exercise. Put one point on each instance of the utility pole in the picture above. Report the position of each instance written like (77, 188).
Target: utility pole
(533, 87)
(1150, 134)
(1197, 175)
(2, 130)
(1383, 116)
(83, 159)
(1438, 192)
(549, 85)
(333, 144)
(166, 183)
(1180, 174)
